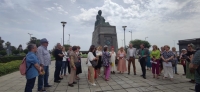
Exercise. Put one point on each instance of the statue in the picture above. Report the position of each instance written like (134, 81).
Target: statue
(100, 20)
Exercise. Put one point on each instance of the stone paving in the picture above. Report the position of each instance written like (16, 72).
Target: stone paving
(14, 82)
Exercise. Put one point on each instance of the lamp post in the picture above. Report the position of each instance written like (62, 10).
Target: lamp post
(146, 38)
(124, 27)
(174, 43)
(61, 40)
(30, 35)
(69, 39)
(63, 24)
(131, 34)
(122, 42)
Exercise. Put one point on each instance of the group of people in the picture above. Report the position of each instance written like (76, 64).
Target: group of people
(159, 62)
(39, 59)
(70, 59)
(37, 63)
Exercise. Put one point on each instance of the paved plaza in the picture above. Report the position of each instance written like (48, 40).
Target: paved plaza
(14, 82)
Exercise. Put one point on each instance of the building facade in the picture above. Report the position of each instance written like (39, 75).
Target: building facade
(183, 43)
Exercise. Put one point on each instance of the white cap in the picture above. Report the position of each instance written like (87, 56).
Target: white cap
(105, 46)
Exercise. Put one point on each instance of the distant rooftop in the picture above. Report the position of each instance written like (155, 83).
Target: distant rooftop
(190, 39)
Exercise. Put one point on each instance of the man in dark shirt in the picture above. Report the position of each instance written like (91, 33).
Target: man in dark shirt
(143, 53)
(59, 57)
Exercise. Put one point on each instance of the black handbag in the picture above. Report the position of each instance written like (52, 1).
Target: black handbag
(77, 64)
(94, 63)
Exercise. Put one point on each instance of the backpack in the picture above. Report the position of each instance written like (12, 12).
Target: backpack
(22, 67)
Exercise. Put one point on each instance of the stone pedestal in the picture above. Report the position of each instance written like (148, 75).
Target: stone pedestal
(105, 35)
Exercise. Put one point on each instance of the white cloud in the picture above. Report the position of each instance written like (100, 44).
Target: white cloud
(55, 4)
(128, 1)
(162, 21)
(73, 1)
(146, 19)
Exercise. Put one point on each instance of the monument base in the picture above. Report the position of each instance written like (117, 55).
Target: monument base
(105, 35)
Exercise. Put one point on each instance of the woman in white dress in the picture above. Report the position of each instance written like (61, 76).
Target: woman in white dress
(112, 59)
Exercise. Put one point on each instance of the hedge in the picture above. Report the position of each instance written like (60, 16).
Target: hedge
(9, 67)
(10, 58)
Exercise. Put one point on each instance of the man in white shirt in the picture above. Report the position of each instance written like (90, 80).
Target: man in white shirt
(131, 53)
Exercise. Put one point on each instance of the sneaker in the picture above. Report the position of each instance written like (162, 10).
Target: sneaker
(93, 84)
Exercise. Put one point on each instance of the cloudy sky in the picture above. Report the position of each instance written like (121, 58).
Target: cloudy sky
(162, 21)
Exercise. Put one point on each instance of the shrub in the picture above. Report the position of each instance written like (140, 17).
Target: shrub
(6, 68)
(15, 52)
(84, 55)
(3, 52)
(26, 51)
(10, 58)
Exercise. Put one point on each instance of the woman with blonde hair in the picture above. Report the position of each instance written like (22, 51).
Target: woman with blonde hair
(155, 56)
(64, 63)
(99, 65)
(121, 67)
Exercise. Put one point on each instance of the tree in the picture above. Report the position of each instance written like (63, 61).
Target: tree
(7, 44)
(3, 52)
(13, 48)
(136, 43)
(1, 44)
(16, 52)
(25, 51)
(34, 40)
(66, 47)
(20, 48)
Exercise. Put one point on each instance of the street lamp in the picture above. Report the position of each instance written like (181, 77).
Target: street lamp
(124, 27)
(63, 24)
(131, 34)
(30, 35)
(122, 42)
(69, 39)
(146, 38)
(174, 43)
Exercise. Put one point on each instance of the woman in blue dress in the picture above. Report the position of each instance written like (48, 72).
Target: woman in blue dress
(148, 62)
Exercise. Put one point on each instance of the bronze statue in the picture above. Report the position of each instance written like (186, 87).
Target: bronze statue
(100, 20)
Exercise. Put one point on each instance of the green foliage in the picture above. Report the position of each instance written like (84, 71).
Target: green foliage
(84, 55)
(6, 68)
(1, 44)
(7, 43)
(25, 51)
(34, 40)
(66, 47)
(13, 48)
(136, 43)
(16, 52)
(10, 58)
(3, 52)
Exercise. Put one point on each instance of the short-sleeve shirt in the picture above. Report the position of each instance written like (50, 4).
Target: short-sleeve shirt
(196, 61)
(31, 59)
(189, 53)
(167, 55)
(58, 58)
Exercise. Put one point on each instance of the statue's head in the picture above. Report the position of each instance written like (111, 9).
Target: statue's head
(99, 12)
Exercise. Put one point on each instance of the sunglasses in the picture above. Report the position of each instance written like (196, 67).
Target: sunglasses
(189, 46)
